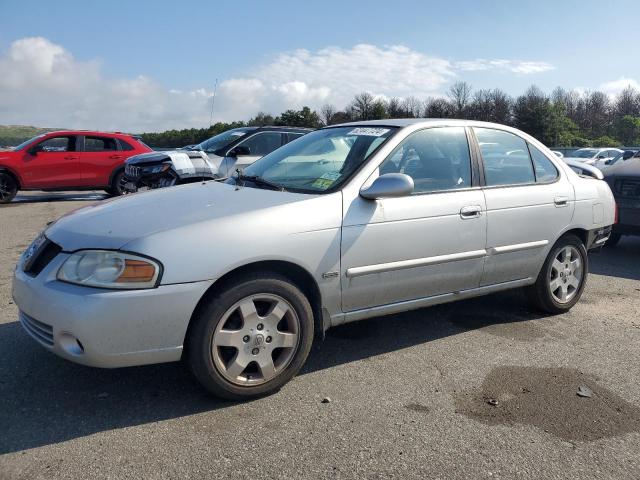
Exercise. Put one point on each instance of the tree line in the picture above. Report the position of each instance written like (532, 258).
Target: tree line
(564, 118)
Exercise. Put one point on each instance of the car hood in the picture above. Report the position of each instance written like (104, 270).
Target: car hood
(112, 224)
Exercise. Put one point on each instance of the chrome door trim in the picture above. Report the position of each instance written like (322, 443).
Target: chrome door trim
(413, 263)
(517, 247)
(426, 301)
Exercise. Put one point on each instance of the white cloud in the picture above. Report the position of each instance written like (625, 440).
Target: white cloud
(616, 86)
(43, 84)
(513, 66)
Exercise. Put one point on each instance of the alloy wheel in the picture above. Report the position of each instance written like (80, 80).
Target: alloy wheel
(255, 339)
(566, 274)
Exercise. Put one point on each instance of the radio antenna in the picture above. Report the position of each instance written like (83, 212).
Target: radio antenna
(213, 102)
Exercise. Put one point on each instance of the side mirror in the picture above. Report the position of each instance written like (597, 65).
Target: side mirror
(35, 149)
(239, 151)
(627, 155)
(601, 157)
(388, 185)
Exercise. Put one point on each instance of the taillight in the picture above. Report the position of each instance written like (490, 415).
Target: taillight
(615, 214)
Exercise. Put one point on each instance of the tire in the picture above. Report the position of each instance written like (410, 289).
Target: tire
(238, 348)
(8, 187)
(116, 189)
(567, 273)
(613, 240)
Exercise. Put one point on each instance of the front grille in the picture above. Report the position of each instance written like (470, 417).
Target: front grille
(38, 330)
(628, 187)
(41, 258)
(132, 171)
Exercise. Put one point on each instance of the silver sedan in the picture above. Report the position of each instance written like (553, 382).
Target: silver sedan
(348, 222)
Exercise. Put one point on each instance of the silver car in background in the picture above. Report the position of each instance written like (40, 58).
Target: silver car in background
(346, 223)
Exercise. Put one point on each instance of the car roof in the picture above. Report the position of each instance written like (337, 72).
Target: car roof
(88, 132)
(407, 122)
(285, 128)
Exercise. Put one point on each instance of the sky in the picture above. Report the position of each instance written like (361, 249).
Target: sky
(152, 65)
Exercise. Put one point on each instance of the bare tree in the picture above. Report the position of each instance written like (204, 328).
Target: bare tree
(598, 113)
(394, 108)
(438, 107)
(459, 94)
(327, 111)
(362, 106)
(628, 102)
(501, 106)
(411, 107)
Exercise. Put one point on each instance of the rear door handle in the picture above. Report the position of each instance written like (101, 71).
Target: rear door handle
(470, 211)
(561, 201)
(71, 157)
(116, 156)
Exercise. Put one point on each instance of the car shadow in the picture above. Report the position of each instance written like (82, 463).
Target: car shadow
(47, 400)
(41, 197)
(622, 261)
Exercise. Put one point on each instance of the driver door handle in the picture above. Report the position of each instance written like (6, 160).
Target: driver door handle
(116, 156)
(470, 211)
(71, 157)
(561, 201)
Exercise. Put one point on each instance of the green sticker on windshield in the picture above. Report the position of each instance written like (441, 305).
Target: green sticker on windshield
(326, 180)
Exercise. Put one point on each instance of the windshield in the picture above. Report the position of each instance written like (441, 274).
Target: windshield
(222, 140)
(585, 153)
(29, 142)
(320, 160)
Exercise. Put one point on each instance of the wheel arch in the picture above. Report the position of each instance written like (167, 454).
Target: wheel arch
(10, 171)
(114, 172)
(298, 275)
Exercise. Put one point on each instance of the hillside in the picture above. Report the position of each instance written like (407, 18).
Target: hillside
(11, 135)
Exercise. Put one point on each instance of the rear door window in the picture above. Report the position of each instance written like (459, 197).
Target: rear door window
(505, 156)
(99, 144)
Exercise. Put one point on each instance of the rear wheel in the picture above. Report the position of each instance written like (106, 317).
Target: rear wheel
(117, 188)
(8, 187)
(250, 338)
(563, 276)
(613, 240)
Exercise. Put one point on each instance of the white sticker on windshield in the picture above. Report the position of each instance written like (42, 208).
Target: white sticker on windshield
(368, 131)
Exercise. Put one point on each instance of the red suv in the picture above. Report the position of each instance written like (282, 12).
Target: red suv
(67, 160)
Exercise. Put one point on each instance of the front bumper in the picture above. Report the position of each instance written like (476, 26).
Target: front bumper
(105, 328)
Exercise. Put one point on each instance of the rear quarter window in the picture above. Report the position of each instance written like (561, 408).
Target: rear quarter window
(546, 171)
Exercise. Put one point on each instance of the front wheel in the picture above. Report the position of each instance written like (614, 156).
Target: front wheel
(250, 338)
(563, 276)
(117, 186)
(8, 187)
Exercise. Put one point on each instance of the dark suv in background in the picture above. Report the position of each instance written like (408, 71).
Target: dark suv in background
(623, 178)
(215, 158)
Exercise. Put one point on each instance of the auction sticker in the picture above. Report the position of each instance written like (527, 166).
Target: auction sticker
(368, 131)
(326, 180)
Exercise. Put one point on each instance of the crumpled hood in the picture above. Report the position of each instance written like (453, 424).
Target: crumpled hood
(186, 163)
(112, 224)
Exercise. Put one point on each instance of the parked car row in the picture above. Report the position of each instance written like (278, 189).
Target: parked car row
(89, 160)
(348, 222)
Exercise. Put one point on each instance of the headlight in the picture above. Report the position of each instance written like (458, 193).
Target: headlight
(157, 168)
(110, 269)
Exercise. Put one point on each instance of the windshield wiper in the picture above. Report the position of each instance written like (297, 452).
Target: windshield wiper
(257, 180)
